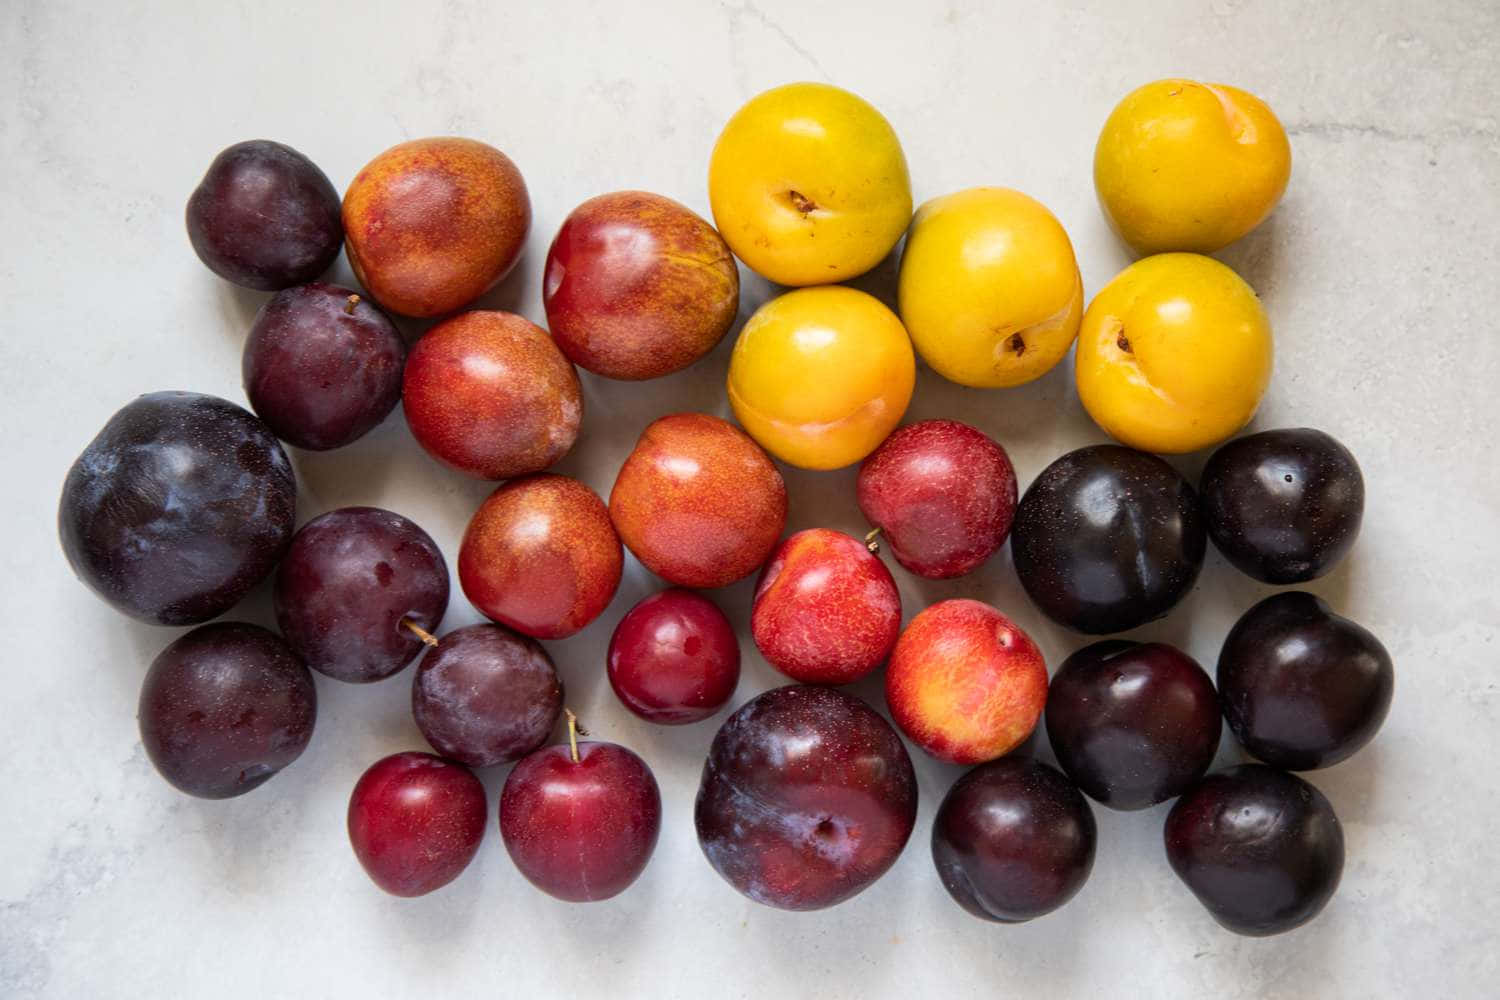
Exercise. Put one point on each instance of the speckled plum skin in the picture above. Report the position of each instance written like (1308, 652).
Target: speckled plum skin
(1303, 687)
(180, 505)
(265, 217)
(581, 830)
(416, 821)
(1107, 538)
(1133, 724)
(1262, 850)
(489, 394)
(1013, 840)
(808, 796)
(349, 579)
(965, 683)
(486, 695)
(224, 708)
(1284, 506)
(322, 366)
(825, 611)
(433, 224)
(942, 494)
(541, 556)
(637, 286)
(674, 658)
(698, 502)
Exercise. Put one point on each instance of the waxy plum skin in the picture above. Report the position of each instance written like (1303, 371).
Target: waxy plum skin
(807, 797)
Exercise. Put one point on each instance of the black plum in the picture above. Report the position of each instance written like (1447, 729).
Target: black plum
(179, 506)
(1260, 848)
(352, 586)
(486, 695)
(322, 366)
(1133, 724)
(1107, 538)
(264, 216)
(1283, 506)
(1303, 687)
(808, 796)
(1013, 840)
(224, 708)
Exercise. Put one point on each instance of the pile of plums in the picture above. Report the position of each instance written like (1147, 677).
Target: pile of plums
(184, 502)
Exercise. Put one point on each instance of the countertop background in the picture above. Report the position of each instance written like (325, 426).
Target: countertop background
(1379, 271)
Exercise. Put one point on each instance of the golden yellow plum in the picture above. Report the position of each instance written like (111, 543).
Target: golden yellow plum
(808, 185)
(1182, 165)
(989, 287)
(1174, 354)
(820, 376)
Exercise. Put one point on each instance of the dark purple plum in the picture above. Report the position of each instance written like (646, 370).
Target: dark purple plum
(1013, 840)
(224, 708)
(179, 506)
(1283, 506)
(1133, 724)
(359, 591)
(1107, 538)
(322, 366)
(264, 216)
(1303, 687)
(486, 695)
(808, 796)
(1260, 848)
(581, 819)
(416, 821)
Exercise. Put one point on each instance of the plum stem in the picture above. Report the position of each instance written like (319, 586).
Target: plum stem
(872, 541)
(572, 734)
(349, 306)
(419, 631)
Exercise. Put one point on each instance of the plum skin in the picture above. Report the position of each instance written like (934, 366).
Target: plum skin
(177, 508)
(265, 217)
(415, 822)
(486, 695)
(581, 830)
(322, 366)
(1262, 850)
(350, 582)
(674, 658)
(1284, 506)
(224, 708)
(1302, 687)
(1132, 724)
(1013, 840)
(808, 796)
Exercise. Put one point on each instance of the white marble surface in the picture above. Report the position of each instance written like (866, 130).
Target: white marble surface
(1381, 272)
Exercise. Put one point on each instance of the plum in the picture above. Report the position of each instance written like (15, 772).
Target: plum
(265, 217)
(416, 821)
(1284, 505)
(322, 366)
(808, 796)
(674, 658)
(359, 591)
(1107, 538)
(224, 708)
(179, 506)
(1303, 687)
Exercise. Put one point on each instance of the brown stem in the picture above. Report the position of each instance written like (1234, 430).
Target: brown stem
(419, 631)
(349, 306)
(572, 734)
(872, 541)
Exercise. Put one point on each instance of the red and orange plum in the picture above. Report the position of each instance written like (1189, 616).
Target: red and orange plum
(698, 502)
(541, 556)
(826, 611)
(965, 683)
(638, 286)
(942, 494)
(433, 224)
(489, 394)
